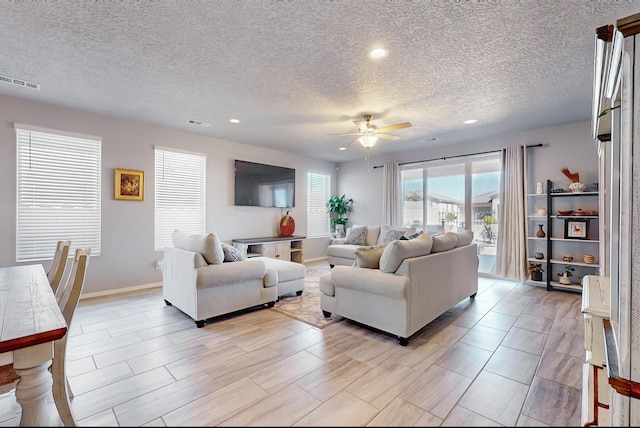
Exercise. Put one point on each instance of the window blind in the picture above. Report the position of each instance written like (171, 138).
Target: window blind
(57, 193)
(318, 193)
(180, 180)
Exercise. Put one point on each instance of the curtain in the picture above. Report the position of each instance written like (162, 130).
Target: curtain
(391, 197)
(511, 253)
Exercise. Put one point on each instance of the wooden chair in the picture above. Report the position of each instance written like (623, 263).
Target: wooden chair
(58, 264)
(68, 296)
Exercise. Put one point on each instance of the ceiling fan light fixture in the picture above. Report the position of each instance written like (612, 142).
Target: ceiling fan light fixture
(470, 121)
(368, 141)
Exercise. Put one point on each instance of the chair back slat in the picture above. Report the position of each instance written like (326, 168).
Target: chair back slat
(58, 264)
(69, 294)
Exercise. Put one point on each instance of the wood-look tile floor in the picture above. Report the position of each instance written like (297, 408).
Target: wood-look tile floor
(512, 357)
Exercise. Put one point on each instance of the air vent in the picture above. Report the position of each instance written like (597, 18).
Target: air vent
(19, 82)
(198, 123)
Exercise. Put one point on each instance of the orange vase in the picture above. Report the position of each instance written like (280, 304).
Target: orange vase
(540, 233)
(287, 225)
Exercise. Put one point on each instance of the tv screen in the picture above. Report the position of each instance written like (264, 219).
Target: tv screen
(261, 185)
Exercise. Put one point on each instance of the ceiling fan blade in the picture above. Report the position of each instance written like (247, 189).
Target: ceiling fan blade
(357, 133)
(387, 136)
(396, 126)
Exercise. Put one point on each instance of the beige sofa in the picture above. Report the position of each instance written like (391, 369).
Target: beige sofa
(342, 253)
(417, 281)
(197, 280)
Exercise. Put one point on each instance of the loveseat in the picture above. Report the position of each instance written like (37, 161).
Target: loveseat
(205, 278)
(342, 250)
(416, 281)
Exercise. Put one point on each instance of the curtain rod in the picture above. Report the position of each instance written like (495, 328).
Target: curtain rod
(457, 156)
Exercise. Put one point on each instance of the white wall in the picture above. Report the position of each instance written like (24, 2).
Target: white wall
(567, 145)
(128, 257)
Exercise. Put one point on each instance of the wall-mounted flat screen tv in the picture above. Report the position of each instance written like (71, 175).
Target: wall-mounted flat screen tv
(262, 185)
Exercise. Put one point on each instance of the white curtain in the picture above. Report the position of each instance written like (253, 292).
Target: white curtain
(511, 253)
(391, 197)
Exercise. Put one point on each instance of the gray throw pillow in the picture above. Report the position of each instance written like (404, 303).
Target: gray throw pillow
(390, 235)
(412, 236)
(357, 235)
(232, 254)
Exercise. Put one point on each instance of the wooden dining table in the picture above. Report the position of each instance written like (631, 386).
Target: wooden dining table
(30, 322)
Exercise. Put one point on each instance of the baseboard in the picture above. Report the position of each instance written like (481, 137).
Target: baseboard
(316, 259)
(120, 290)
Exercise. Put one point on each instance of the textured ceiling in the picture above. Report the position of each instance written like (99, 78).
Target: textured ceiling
(295, 70)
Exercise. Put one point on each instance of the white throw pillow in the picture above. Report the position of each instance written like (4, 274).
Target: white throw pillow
(397, 251)
(232, 254)
(357, 235)
(444, 242)
(464, 238)
(206, 244)
(390, 233)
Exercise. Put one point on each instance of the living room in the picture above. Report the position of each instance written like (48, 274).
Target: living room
(128, 261)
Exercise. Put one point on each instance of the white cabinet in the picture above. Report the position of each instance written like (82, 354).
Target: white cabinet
(289, 248)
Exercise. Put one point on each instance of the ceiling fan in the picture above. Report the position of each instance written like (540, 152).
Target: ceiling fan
(368, 133)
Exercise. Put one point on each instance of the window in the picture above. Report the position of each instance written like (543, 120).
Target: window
(180, 194)
(450, 195)
(318, 193)
(57, 192)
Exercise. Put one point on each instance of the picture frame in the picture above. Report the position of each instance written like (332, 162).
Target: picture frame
(129, 185)
(576, 229)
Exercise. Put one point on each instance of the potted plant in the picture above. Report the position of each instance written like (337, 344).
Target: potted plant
(565, 277)
(536, 271)
(339, 205)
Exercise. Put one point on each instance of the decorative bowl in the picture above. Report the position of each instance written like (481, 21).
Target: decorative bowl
(567, 212)
(589, 259)
(591, 212)
(577, 187)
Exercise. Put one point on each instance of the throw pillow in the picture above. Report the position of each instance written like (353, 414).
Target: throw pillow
(390, 235)
(464, 238)
(412, 236)
(369, 257)
(206, 244)
(357, 235)
(232, 254)
(397, 251)
(444, 242)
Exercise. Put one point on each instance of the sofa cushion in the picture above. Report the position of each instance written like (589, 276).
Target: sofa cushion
(397, 251)
(356, 235)
(221, 274)
(232, 254)
(444, 242)
(463, 238)
(206, 244)
(373, 232)
(369, 257)
(287, 271)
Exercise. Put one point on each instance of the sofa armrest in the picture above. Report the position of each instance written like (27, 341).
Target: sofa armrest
(231, 273)
(338, 241)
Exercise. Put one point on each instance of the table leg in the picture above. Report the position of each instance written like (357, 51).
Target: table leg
(32, 393)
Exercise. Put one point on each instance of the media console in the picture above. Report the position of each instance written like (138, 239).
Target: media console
(284, 248)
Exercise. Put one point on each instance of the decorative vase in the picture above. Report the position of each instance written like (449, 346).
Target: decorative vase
(340, 229)
(538, 255)
(540, 233)
(564, 279)
(536, 275)
(287, 225)
(577, 187)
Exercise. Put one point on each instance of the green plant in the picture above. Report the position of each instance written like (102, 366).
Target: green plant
(487, 233)
(568, 270)
(339, 205)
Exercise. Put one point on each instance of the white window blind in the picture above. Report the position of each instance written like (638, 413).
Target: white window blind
(180, 194)
(318, 193)
(58, 193)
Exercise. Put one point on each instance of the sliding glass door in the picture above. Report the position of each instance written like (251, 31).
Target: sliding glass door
(455, 194)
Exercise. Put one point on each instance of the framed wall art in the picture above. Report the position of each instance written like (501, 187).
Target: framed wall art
(575, 229)
(129, 185)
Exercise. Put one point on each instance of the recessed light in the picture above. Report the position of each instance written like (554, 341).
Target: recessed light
(198, 123)
(342, 148)
(467, 122)
(378, 53)
(234, 120)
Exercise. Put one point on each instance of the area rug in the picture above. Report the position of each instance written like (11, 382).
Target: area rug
(306, 308)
